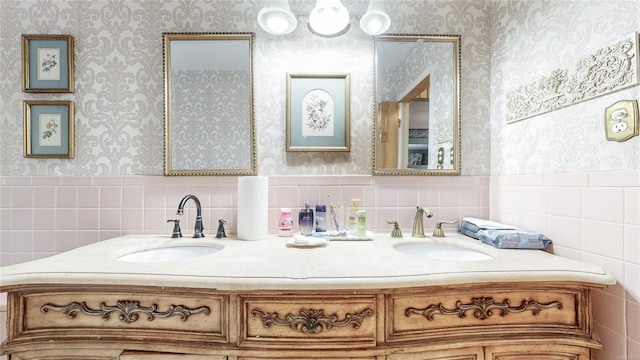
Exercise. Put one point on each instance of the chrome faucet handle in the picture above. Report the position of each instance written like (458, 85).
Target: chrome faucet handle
(438, 232)
(177, 233)
(395, 232)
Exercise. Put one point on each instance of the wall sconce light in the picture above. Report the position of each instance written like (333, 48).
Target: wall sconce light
(328, 18)
(375, 21)
(276, 17)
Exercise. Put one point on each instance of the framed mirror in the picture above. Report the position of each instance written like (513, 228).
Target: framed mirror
(209, 116)
(417, 127)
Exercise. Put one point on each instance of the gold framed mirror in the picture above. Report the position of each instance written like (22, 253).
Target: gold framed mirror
(417, 127)
(209, 115)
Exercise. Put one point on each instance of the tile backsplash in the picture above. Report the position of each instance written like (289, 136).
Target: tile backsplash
(45, 215)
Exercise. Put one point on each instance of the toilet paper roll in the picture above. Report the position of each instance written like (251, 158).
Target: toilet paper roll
(253, 208)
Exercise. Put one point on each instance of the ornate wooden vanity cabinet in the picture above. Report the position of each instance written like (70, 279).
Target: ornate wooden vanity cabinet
(493, 321)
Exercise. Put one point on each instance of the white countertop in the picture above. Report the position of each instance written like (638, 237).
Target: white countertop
(272, 264)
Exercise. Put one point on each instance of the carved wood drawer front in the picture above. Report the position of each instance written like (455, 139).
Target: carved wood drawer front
(127, 355)
(345, 357)
(68, 354)
(547, 352)
(338, 321)
(478, 313)
(474, 353)
(187, 315)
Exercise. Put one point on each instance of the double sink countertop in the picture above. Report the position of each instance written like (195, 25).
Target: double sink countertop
(275, 264)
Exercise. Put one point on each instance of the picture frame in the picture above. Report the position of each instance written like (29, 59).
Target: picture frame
(49, 129)
(318, 112)
(47, 63)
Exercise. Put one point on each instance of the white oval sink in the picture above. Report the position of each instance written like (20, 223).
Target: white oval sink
(174, 253)
(440, 252)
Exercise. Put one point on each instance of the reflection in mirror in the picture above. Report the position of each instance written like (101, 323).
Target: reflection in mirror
(417, 129)
(209, 121)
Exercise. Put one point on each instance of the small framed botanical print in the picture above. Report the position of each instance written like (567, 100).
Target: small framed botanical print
(47, 63)
(49, 129)
(318, 112)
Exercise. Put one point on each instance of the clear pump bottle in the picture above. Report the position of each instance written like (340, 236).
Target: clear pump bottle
(352, 226)
(321, 218)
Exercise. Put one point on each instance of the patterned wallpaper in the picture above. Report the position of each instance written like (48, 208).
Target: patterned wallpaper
(529, 40)
(119, 84)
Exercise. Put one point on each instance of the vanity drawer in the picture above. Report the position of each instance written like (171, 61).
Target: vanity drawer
(433, 315)
(185, 315)
(303, 321)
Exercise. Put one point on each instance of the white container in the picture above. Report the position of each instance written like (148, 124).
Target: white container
(253, 207)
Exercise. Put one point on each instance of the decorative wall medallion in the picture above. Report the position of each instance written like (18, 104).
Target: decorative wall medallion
(482, 308)
(608, 69)
(128, 310)
(311, 321)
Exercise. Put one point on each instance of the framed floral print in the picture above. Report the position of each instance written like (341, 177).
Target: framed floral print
(318, 112)
(49, 129)
(47, 63)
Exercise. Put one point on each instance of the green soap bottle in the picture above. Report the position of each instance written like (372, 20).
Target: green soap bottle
(352, 225)
(361, 223)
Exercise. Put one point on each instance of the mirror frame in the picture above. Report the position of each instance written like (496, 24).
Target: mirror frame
(166, 45)
(455, 39)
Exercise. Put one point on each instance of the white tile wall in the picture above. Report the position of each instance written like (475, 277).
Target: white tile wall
(592, 217)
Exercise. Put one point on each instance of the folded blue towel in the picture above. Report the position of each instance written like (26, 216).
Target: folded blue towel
(464, 231)
(470, 226)
(514, 239)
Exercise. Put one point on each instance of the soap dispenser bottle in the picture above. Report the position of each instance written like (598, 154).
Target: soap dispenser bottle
(305, 220)
(352, 226)
(321, 218)
(285, 223)
(362, 223)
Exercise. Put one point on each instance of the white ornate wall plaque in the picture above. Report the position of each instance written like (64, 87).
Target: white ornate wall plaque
(608, 69)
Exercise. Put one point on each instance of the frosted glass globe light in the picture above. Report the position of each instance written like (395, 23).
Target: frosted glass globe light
(329, 17)
(277, 24)
(375, 21)
(374, 26)
(276, 17)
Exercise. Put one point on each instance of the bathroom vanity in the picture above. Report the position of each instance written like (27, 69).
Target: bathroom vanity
(452, 298)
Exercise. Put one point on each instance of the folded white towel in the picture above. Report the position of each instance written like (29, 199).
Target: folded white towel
(488, 224)
(300, 240)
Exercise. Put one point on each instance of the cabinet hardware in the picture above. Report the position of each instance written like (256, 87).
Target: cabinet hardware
(128, 310)
(482, 308)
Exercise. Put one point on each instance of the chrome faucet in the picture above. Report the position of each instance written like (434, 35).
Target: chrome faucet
(197, 231)
(418, 224)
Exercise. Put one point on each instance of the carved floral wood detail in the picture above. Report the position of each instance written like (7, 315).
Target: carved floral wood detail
(311, 321)
(608, 69)
(128, 310)
(482, 308)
